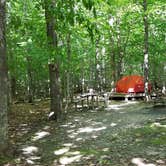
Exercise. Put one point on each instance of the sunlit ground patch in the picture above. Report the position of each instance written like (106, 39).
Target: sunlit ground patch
(105, 149)
(79, 139)
(72, 126)
(32, 159)
(24, 125)
(61, 151)
(114, 107)
(46, 128)
(157, 124)
(120, 105)
(94, 136)
(64, 125)
(68, 144)
(40, 135)
(73, 135)
(113, 124)
(68, 160)
(30, 150)
(70, 131)
(90, 129)
(73, 153)
(140, 162)
(96, 123)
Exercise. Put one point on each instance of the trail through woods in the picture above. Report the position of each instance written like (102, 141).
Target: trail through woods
(125, 133)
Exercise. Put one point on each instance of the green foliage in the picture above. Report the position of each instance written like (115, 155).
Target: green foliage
(88, 23)
(154, 135)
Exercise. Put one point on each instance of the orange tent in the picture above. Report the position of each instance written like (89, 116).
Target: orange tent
(131, 84)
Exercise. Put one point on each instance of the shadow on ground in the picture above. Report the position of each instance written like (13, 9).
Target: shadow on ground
(124, 133)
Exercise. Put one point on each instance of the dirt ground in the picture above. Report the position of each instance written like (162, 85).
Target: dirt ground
(121, 134)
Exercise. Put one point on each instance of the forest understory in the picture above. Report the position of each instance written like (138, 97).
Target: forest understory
(123, 134)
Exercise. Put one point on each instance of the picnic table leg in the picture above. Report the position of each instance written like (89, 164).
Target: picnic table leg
(87, 99)
(97, 100)
(126, 98)
(92, 102)
(76, 106)
(82, 103)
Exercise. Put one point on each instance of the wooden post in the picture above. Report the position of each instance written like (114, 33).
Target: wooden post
(82, 103)
(92, 101)
(87, 98)
(97, 100)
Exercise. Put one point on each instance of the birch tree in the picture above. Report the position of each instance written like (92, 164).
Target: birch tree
(146, 65)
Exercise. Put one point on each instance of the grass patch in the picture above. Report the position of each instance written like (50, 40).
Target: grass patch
(159, 141)
(151, 135)
(5, 159)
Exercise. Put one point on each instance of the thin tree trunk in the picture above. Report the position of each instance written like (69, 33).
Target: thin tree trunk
(68, 68)
(97, 66)
(13, 82)
(82, 80)
(146, 63)
(3, 80)
(55, 89)
(113, 63)
(30, 80)
(119, 51)
(120, 60)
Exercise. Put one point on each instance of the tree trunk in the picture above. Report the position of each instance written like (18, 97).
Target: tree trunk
(30, 80)
(13, 83)
(97, 66)
(50, 23)
(113, 63)
(55, 92)
(68, 68)
(146, 65)
(3, 80)
(120, 57)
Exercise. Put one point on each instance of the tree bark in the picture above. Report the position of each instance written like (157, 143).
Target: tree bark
(50, 23)
(68, 69)
(146, 63)
(120, 61)
(113, 63)
(3, 80)
(12, 78)
(55, 88)
(30, 80)
(97, 66)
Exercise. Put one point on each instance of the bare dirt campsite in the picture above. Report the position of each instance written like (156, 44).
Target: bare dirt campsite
(123, 133)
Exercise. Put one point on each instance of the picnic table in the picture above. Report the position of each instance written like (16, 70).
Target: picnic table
(89, 98)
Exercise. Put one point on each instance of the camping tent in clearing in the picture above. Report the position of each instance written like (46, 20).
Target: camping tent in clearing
(131, 84)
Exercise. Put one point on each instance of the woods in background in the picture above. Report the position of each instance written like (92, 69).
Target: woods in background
(92, 44)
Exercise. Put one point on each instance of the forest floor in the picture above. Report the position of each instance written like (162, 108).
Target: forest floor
(123, 134)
